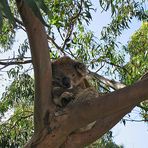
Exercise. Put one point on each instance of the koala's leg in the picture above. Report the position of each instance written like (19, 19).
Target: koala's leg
(86, 95)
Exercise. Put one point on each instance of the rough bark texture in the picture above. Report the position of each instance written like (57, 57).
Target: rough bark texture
(54, 129)
(102, 125)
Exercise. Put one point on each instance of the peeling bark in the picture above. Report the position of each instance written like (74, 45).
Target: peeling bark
(113, 84)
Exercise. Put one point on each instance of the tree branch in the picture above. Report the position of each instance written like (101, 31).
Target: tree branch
(95, 107)
(19, 119)
(18, 21)
(15, 62)
(133, 120)
(113, 84)
(55, 44)
(48, 37)
(12, 59)
(72, 21)
(101, 127)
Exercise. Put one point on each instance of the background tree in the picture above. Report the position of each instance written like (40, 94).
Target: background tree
(67, 33)
(137, 66)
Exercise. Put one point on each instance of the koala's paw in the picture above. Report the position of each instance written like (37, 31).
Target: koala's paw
(65, 98)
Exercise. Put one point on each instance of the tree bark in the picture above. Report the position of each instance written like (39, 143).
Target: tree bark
(41, 63)
(108, 108)
(102, 126)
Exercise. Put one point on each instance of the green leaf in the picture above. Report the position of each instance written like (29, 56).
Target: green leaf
(1, 20)
(32, 4)
(42, 5)
(88, 15)
(5, 10)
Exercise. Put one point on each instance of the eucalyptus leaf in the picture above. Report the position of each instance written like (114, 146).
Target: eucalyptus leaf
(32, 4)
(5, 10)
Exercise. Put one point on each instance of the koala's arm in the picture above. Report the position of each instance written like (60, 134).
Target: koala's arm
(62, 96)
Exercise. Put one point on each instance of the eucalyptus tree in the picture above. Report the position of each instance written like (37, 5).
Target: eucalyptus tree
(57, 28)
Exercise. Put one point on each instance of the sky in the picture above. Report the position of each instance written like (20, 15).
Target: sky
(133, 134)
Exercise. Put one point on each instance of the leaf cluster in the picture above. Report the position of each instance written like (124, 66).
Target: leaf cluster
(18, 101)
(105, 142)
(138, 50)
(19, 94)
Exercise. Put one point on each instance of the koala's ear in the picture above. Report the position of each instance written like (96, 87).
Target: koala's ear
(81, 68)
(79, 65)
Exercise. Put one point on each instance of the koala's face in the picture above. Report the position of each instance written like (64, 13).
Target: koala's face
(76, 72)
(62, 82)
(59, 79)
(68, 71)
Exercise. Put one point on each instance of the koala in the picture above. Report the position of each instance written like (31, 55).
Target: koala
(62, 96)
(85, 95)
(68, 76)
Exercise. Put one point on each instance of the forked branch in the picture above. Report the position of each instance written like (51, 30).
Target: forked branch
(111, 107)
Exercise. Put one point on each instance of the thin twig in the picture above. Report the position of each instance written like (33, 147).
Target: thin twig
(55, 44)
(113, 64)
(72, 20)
(113, 84)
(133, 120)
(18, 21)
(10, 59)
(21, 118)
(14, 63)
(102, 65)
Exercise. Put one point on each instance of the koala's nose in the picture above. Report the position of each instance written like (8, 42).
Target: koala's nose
(66, 82)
